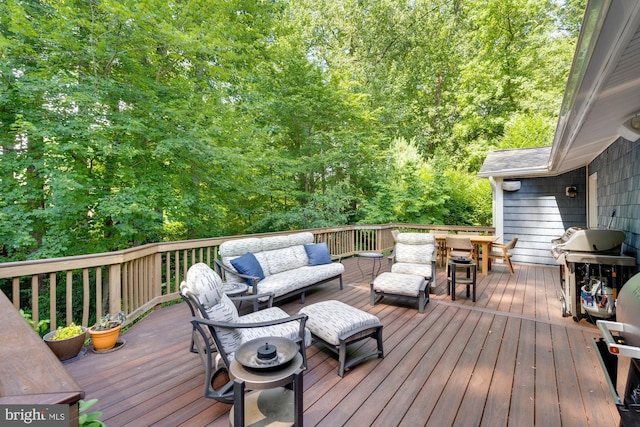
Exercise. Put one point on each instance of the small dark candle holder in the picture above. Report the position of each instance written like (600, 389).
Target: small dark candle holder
(267, 352)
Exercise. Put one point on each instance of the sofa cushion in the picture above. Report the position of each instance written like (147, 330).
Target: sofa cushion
(318, 253)
(292, 280)
(301, 238)
(238, 247)
(416, 238)
(288, 330)
(398, 284)
(204, 283)
(226, 311)
(423, 270)
(275, 242)
(285, 259)
(332, 320)
(414, 254)
(249, 265)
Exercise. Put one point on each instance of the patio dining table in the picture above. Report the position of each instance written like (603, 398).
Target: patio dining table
(478, 242)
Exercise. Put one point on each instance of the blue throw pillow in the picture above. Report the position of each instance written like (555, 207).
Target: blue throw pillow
(249, 265)
(318, 253)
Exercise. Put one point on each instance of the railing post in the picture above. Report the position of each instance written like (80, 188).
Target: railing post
(115, 293)
(157, 275)
(34, 299)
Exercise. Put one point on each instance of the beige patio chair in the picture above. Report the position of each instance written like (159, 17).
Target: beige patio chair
(218, 330)
(413, 270)
(415, 253)
(459, 246)
(501, 251)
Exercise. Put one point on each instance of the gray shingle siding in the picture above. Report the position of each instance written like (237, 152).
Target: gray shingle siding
(618, 169)
(540, 211)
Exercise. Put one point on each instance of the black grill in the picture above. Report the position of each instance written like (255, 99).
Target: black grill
(622, 338)
(592, 271)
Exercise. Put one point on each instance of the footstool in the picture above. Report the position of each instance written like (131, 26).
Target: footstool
(400, 284)
(338, 325)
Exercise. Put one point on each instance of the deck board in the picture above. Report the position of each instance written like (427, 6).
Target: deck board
(502, 331)
(568, 387)
(408, 383)
(510, 358)
(547, 411)
(449, 346)
(522, 406)
(448, 406)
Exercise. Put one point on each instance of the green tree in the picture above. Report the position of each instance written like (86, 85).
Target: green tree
(118, 116)
(125, 122)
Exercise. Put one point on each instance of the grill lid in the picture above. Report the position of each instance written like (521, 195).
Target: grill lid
(628, 310)
(592, 240)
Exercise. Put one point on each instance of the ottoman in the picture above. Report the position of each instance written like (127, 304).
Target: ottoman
(338, 325)
(400, 284)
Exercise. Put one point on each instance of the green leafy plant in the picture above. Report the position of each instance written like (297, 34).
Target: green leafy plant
(107, 322)
(42, 325)
(65, 332)
(89, 419)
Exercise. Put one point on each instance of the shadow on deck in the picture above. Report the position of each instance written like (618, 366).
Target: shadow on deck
(508, 359)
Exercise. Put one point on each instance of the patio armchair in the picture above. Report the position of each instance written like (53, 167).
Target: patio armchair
(218, 330)
(501, 251)
(415, 253)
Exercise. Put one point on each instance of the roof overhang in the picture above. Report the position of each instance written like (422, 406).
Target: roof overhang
(603, 91)
(524, 162)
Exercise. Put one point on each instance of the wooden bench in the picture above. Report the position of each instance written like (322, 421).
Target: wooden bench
(40, 378)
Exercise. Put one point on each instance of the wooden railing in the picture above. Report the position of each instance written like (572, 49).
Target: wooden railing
(138, 279)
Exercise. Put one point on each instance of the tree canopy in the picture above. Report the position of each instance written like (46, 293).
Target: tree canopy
(125, 122)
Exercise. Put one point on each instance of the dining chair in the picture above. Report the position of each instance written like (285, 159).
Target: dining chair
(459, 246)
(501, 251)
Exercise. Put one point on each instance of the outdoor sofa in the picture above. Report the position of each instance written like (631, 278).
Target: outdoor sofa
(283, 265)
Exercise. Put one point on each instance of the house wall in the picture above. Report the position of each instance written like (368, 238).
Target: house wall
(618, 169)
(540, 211)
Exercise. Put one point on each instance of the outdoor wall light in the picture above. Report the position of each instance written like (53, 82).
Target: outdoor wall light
(511, 185)
(571, 191)
(630, 128)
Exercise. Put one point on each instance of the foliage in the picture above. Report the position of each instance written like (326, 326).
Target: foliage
(90, 419)
(107, 322)
(42, 325)
(66, 332)
(523, 131)
(126, 122)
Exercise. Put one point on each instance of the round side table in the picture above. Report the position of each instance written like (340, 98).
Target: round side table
(376, 257)
(234, 289)
(269, 401)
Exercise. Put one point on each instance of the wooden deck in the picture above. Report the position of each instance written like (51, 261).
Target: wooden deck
(508, 359)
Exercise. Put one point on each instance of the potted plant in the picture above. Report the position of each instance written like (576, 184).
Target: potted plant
(104, 334)
(66, 341)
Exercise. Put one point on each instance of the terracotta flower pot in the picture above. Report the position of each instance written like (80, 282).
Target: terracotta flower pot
(104, 340)
(67, 348)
